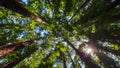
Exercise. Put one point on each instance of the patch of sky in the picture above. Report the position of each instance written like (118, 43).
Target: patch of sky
(25, 1)
(2, 61)
(46, 11)
(24, 22)
(51, 13)
(41, 42)
(57, 64)
(22, 52)
(38, 29)
(23, 34)
(13, 19)
(44, 33)
(68, 18)
(116, 58)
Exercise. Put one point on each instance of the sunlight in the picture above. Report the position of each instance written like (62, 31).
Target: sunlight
(88, 50)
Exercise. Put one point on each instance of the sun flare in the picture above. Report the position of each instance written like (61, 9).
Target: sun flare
(88, 50)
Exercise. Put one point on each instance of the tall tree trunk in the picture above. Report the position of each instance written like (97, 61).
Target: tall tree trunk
(84, 58)
(27, 54)
(73, 64)
(107, 8)
(64, 60)
(116, 52)
(16, 6)
(16, 47)
(105, 59)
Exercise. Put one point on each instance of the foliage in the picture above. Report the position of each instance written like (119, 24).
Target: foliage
(77, 21)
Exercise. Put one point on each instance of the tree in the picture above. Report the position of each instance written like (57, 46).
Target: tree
(12, 47)
(79, 34)
(15, 6)
(25, 55)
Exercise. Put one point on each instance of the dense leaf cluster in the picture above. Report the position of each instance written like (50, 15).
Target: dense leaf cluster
(55, 33)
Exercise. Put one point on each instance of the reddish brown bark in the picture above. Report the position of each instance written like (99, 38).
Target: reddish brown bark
(16, 6)
(15, 47)
(12, 64)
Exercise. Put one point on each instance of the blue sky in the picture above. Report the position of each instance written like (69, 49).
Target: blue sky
(25, 1)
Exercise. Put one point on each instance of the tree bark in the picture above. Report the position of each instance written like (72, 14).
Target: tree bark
(64, 60)
(84, 58)
(13, 47)
(101, 12)
(105, 59)
(116, 52)
(16, 6)
(73, 64)
(12, 64)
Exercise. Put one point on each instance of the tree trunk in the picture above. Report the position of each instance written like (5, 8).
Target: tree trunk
(12, 64)
(64, 60)
(116, 52)
(73, 64)
(86, 59)
(105, 59)
(107, 8)
(16, 6)
(16, 47)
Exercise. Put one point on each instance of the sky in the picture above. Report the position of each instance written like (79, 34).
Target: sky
(25, 1)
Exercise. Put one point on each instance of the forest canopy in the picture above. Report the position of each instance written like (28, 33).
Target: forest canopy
(59, 33)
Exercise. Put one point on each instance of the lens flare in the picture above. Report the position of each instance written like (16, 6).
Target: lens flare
(88, 50)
